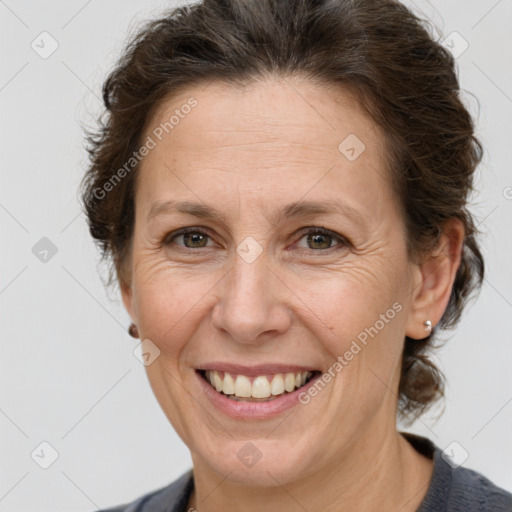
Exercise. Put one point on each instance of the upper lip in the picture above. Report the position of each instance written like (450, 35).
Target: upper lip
(254, 370)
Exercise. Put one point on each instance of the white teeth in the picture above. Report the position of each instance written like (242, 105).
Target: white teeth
(241, 386)
(260, 387)
(217, 381)
(289, 382)
(277, 386)
(228, 386)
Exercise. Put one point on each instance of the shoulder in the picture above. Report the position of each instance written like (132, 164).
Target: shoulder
(171, 498)
(455, 488)
(472, 491)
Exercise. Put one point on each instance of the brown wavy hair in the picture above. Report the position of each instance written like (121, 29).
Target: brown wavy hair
(377, 49)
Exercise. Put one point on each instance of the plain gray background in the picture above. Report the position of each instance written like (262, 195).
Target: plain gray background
(68, 373)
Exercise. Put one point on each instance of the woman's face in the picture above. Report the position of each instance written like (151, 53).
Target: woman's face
(257, 289)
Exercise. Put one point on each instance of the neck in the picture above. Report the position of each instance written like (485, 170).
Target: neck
(380, 472)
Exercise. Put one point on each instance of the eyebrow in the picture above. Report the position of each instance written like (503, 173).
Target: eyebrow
(292, 210)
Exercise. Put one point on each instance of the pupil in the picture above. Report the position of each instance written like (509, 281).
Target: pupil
(196, 237)
(317, 238)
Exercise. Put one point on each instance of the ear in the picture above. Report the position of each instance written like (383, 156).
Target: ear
(434, 279)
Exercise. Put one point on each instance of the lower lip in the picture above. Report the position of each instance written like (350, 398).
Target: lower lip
(253, 410)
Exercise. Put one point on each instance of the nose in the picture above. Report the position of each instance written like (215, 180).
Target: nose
(252, 307)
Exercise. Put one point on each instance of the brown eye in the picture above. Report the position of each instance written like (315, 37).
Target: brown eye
(193, 238)
(317, 239)
(321, 239)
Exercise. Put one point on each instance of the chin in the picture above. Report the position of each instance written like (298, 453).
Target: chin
(259, 462)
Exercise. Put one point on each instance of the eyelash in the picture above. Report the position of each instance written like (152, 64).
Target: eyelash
(307, 231)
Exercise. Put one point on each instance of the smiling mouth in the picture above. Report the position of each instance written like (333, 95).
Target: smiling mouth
(261, 388)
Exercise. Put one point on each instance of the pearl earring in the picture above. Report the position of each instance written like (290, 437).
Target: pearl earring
(428, 325)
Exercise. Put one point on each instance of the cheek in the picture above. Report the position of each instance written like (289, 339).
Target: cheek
(169, 304)
(363, 317)
(355, 302)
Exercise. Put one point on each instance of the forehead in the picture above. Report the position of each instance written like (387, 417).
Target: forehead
(280, 134)
(285, 108)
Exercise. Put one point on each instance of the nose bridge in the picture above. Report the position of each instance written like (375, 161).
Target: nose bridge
(250, 307)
